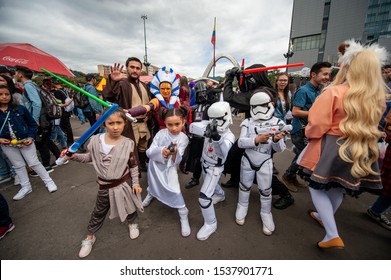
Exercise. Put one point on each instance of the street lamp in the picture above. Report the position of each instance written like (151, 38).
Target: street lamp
(146, 63)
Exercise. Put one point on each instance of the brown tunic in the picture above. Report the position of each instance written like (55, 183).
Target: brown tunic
(121, 93)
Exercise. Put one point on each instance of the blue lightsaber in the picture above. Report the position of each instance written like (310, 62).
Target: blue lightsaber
(75, 146)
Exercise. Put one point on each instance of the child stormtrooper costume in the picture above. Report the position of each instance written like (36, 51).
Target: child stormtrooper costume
(218, 141)
(256, 160)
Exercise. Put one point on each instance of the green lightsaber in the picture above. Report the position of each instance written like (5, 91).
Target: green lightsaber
(97, 99)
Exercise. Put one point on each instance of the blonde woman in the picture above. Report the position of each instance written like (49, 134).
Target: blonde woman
(343, 132)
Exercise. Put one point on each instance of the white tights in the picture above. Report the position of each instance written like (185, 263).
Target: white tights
(327, 204)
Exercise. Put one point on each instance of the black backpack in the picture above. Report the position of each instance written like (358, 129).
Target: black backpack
(80, 99)
(50, 107)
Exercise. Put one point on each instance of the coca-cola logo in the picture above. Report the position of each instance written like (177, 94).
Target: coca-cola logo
(16, 60)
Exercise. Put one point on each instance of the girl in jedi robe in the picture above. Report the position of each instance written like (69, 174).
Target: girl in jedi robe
(114, 161)
(165, 154)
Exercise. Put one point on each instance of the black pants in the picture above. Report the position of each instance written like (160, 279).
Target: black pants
(65, 125)
(193, 163)
(45, 145)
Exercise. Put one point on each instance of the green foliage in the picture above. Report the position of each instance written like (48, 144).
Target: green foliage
(79, 79)
(273, 76)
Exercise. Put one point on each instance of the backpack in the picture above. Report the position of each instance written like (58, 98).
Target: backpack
(80, 99)
(50, 107)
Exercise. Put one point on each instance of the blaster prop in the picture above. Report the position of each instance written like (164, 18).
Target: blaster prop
(212, 126)
(273, 129)
(171, 147)
(198, 128)
(73, 148)
(97, 99)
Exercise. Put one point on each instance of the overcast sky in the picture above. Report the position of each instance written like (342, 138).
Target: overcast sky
(85, 33)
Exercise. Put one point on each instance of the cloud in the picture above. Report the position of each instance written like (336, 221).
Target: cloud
(83, 34)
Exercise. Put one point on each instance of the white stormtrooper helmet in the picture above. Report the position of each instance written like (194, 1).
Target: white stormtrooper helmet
(261, 106)
(221, 112)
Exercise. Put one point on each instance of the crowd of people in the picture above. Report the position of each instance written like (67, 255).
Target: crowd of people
(335, 127)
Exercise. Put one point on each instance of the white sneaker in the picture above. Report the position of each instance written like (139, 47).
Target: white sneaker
(216, 198)
(22, 193)
(16, 180)
(86, 247)
(147, 200)
(134, 232)
(206, 231)
(51, 187)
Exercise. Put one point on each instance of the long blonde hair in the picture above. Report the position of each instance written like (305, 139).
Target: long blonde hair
(364, 106)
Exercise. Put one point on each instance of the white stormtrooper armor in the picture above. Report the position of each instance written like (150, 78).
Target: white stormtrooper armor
(213, 158)
(256, 161)
(261, 106)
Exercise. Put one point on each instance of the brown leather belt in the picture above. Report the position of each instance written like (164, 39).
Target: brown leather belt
(113, 183)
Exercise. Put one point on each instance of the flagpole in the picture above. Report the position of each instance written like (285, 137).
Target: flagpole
(214, 47)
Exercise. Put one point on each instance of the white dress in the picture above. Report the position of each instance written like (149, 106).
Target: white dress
(163, 182)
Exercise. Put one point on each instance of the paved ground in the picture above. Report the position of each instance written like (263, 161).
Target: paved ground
(51, 226)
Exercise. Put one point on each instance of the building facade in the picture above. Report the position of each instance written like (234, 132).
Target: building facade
(318, 27)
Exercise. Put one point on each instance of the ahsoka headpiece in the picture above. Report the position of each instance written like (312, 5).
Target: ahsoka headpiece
(165, 75)
(350, 49)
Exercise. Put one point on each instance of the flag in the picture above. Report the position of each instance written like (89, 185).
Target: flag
(213, 41)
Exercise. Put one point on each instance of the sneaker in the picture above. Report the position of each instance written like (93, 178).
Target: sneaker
(194, 182)
(5, 179)
(86, 247)
(147, 200)
(51, 187)
(49, 169)
(54, 165)
(5, 230)
(289, 182)
(133, 231)
(380, 219)
(216, 198)
(22, 193)
(33, 174)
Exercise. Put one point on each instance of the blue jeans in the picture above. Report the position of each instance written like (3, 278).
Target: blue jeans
(6, 169)
(59, 134)
(381, 205)
(299, 140)
(80, 115)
